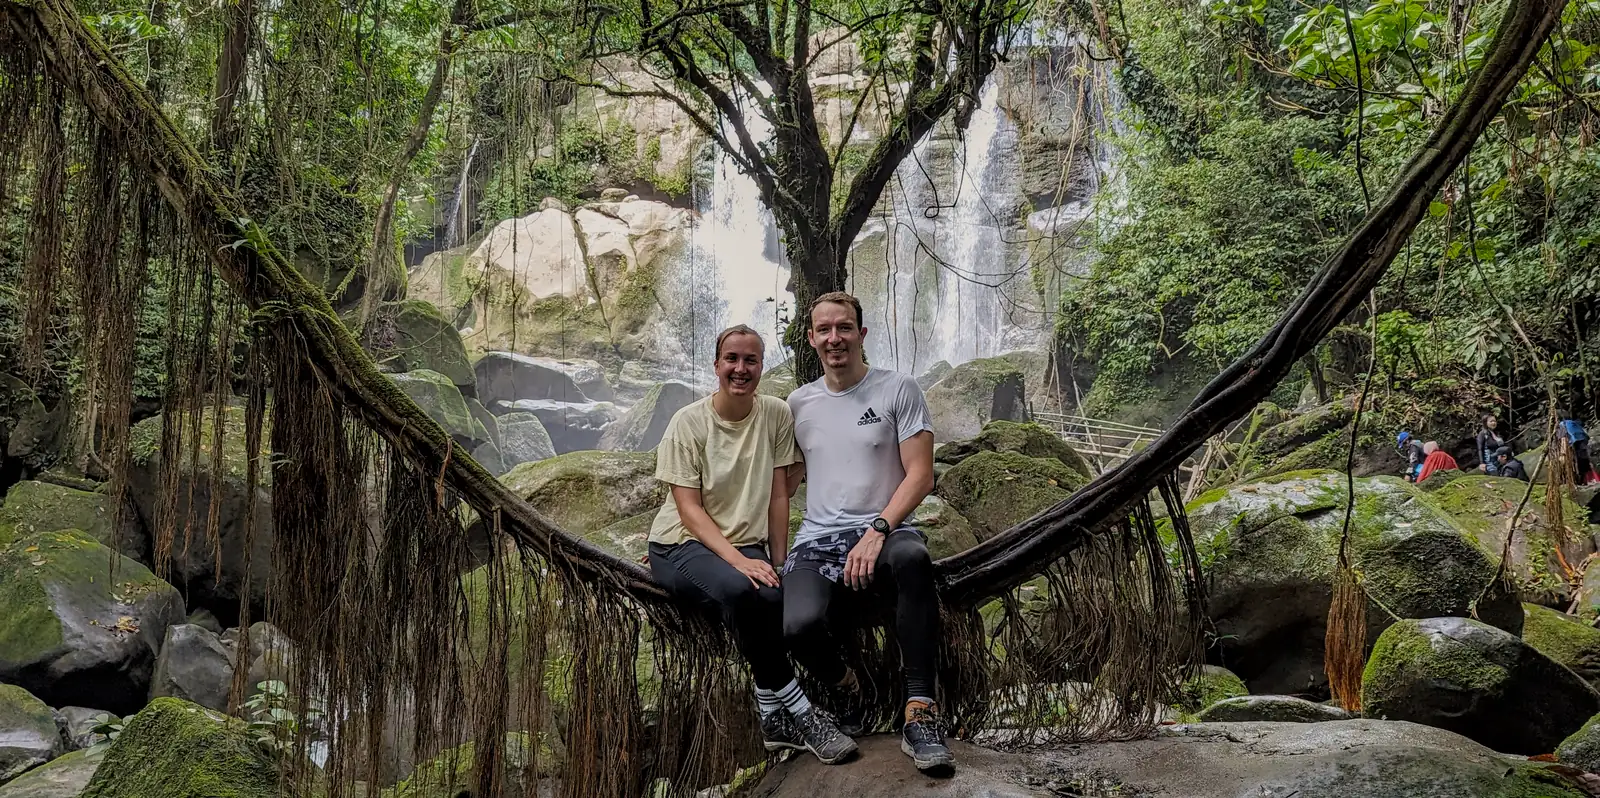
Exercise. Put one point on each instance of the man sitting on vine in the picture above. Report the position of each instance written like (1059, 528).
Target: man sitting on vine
(867, 450)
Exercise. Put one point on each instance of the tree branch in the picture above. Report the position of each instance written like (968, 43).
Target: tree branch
(80, 61)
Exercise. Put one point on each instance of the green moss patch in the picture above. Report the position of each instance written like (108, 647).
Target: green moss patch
(998, 490)
(1564, 639)
(1028, 439)
(175, 749)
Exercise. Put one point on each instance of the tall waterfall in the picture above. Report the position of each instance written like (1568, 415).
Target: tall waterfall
(737, 272)
(953, 250)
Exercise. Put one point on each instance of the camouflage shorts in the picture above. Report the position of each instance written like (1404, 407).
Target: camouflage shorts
(826, 554)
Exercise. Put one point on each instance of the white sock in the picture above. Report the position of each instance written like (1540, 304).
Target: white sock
(767, 701)
(794, 698)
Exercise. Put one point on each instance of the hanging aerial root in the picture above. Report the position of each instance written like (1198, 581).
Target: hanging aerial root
(1345, 644)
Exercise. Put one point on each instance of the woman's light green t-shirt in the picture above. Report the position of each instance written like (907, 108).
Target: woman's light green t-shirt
(730, 462)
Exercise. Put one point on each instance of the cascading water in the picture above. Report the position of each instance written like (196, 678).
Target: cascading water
(736, 271)
(952, 250)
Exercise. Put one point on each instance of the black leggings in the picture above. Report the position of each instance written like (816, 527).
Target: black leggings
(695, 574)
(904, 575)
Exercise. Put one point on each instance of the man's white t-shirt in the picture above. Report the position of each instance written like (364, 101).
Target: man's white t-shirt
(851, 445)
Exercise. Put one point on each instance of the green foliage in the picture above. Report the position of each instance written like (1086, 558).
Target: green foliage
(271, 722)
(1217, 244)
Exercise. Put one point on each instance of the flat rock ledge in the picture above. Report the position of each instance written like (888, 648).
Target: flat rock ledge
(1336, 759)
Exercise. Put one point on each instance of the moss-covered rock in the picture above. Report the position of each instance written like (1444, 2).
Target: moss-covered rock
(629, 537)
(414, 336)
(79, 624)
(62, 777)
(586, 492)
(451, 774)
(1483, 505)
(1270, 709)
(778, 381)
(175, 749)
(1581, 749)
(193, 567)
(1206, 688)
(1270, 550)
(947, 530)
(443, 402)
(1475, 680)
(1565, 639)
(1024, 438)
(997, 490)
(28, 734)
(32, 506)
(975, 393)
(641, 428)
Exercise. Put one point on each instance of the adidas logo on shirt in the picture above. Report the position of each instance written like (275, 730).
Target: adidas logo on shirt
(869, 417)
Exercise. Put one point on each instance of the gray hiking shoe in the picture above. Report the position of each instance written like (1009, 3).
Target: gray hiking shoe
(923, 741)
(823, 738)
(779, 732)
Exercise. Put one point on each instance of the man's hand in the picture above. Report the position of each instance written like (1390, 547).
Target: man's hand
(757, 571)
(863, 559)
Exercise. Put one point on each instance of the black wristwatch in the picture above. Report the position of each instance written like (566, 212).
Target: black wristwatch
(880, 524)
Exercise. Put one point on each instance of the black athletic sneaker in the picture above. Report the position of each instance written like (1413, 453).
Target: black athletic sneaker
(849, 705)
(779, 732)
(923, 741)
(823, 738)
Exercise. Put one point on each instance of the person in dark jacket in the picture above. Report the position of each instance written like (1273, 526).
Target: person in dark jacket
(1411, 449)
(1577, 437)
(1508, 466)
(1489, 441)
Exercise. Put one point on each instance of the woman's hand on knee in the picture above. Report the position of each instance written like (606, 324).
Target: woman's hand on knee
(759, 572)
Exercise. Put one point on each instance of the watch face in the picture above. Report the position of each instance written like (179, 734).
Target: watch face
(880, 525)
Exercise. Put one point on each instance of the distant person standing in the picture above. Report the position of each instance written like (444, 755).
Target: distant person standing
(1411, 449)
(1489, 441)
(1577, 437)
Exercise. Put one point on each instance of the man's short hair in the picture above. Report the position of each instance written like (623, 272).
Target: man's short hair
(839, 298)
(738, 329)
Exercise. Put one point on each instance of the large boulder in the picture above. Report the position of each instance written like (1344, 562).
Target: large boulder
(641, 428)
(193, 666)
(29, 432)
(1270, 551)
(175, 749)
(1273, 708)
(974, 394)
(1483, 505)
(1010, 436)
(1340, 759)
(193, 562)
(1581, 749)
(414, 336)
(32, 506)
(778, 381)
(1208, 687)
(586, 492)
(588, 375)
(79, 624)
(948, 531)
(62, 777)
(1475, 680)
(78, 726)
(28, 734)
(572, 426)
(508, 377)
(998, 490)
(1565, 639)
(523, 439)
(443, 402)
